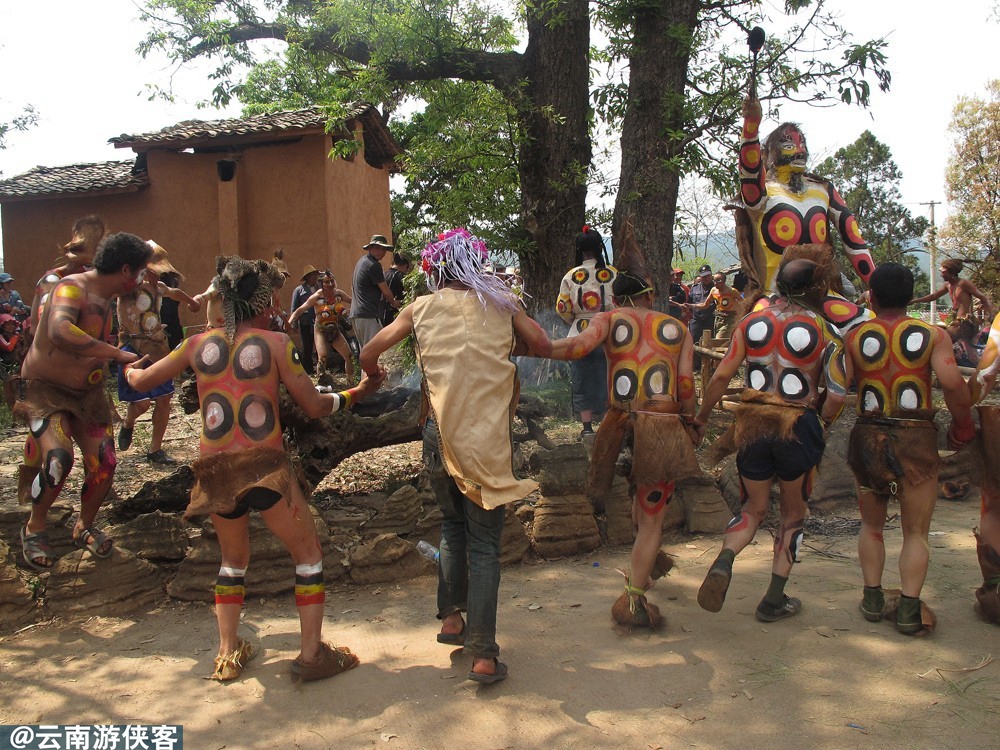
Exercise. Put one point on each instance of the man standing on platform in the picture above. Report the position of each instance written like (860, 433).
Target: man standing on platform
(585, 291)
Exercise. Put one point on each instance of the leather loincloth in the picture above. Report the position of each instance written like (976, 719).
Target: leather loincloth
(222, 479)
(155, 346)
(764, 416)
(885, 452)
(986, 461)
(988, 595)
(662, 448)
(40, 399)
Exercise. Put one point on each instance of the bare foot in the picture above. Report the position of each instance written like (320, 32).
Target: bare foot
(453, 624)
(484, 666)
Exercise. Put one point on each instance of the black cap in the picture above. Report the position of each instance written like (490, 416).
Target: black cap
(704, 269)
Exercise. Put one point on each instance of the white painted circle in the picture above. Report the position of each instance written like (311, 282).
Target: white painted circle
(255, 415)
(757, 380)
(757, 332)
(908, 399)
(798, 339)
(211, 353)
(871, 347)
(914, 341)
(791, 385)
(214, 415)
(623, 385)
(251, 357)
(871, 402)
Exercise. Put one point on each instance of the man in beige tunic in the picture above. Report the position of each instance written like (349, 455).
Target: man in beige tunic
(465, 333)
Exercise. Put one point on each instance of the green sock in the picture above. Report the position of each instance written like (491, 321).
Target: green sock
(775, 595)
(725, 560)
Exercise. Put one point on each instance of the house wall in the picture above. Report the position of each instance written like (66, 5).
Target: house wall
(320, 211)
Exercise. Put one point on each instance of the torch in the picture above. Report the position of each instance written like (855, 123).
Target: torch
(756, 42)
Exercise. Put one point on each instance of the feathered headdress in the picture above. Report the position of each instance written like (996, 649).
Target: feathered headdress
(459, 256)
(246, 288)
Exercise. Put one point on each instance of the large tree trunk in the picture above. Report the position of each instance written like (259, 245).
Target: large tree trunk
(556, 152)
(647, 191)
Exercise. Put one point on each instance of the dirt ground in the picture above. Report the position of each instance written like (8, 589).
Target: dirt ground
(825, 679)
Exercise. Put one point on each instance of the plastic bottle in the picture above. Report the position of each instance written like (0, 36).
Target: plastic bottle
(428, 550)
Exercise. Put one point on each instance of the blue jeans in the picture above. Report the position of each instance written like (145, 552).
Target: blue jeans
(469, 568)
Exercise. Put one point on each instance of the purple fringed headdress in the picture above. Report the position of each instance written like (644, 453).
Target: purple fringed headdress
(459, 256)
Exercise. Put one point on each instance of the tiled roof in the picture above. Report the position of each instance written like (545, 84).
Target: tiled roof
(380, 147)
(118, 176)
(202, 130)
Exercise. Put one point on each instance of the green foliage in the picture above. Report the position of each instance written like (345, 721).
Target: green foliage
(26, 119)
(808, 57)
(867, 178)
(449, 78)
(972, 230)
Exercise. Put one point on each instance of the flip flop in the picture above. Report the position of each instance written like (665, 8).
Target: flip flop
(489, 679)
(36, 545)
(99, 538)
(453, 639)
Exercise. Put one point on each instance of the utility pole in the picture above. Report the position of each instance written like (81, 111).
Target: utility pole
(932, 255)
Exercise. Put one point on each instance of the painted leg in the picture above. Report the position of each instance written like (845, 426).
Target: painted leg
(234, 541)
(49, 457)
(292, 522)
(739, 533)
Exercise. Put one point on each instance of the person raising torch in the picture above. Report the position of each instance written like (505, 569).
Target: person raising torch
(244, 465)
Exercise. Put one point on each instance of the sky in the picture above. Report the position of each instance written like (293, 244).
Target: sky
(75, 62)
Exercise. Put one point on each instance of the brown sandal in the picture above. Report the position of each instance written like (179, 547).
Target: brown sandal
(230, 666)
(332, 661)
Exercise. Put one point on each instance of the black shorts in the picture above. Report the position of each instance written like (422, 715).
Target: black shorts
(788, 459)
(256, 498)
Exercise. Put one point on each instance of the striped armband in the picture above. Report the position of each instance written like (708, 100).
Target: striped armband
(344, 400)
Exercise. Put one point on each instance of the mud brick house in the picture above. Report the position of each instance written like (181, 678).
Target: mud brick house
(233, 187)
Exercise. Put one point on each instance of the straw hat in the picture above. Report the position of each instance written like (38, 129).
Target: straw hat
(159, 263)
(279, 263)
(308, 270)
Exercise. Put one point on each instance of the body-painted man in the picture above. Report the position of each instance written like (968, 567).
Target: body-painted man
(329, 305)
(464, 335)
(584, 292)
(78, 256)
(988, 533)
(791, 353)
(651, 389)
(788, 206)
(141, 332)
(961, 293)
(61, 395)
(893, 446)
(244, 465)
(727, 306)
